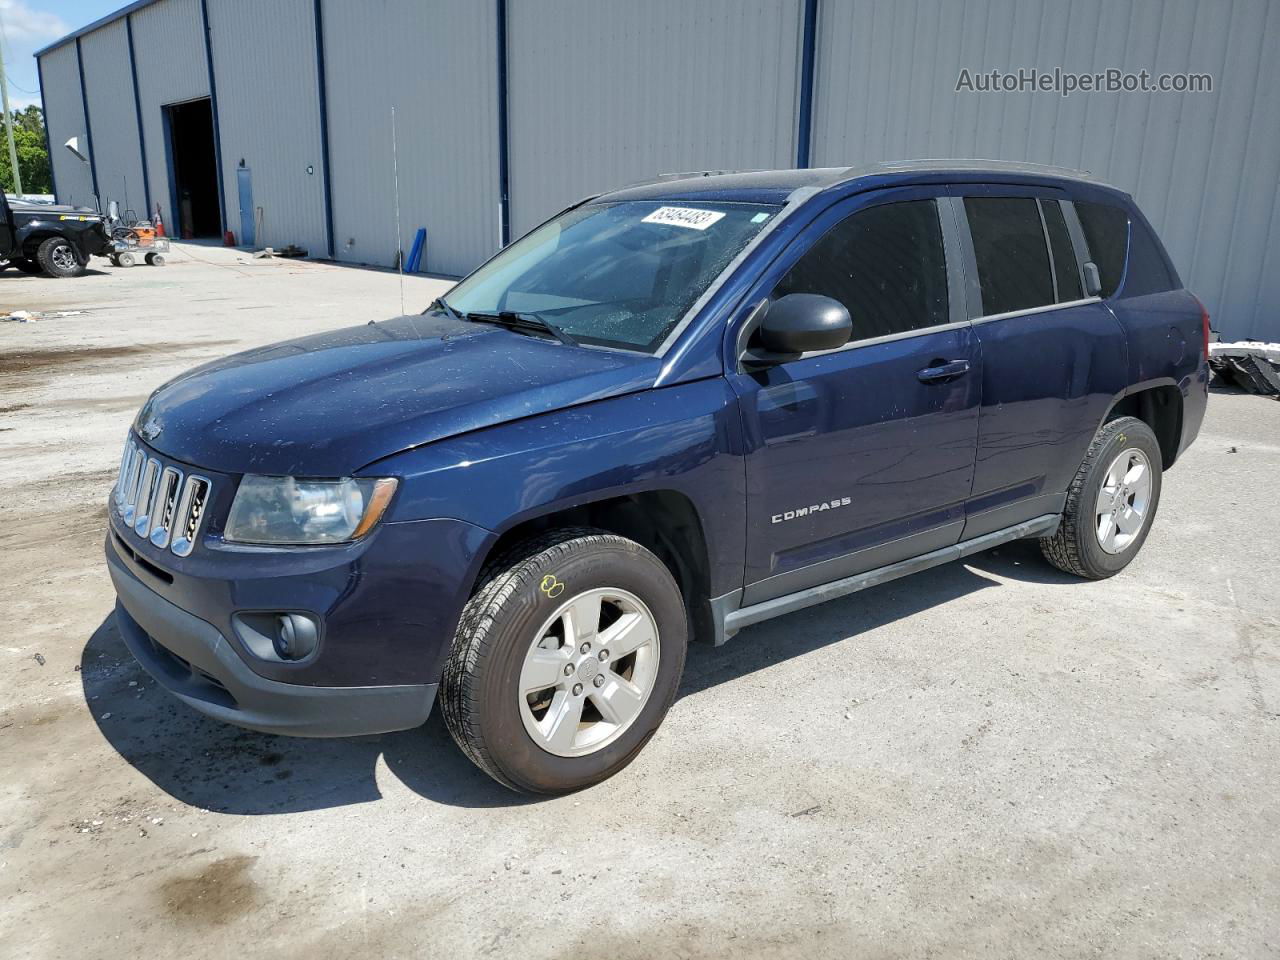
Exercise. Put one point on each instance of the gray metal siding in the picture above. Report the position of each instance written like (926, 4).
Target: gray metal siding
(264, 60)
(435, 62)
(168, 42)
(1203, 167)
(109, 88)
(607, 92)
(66, 120)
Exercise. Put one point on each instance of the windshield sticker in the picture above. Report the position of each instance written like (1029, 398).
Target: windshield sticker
(760, 218)
(684, 217)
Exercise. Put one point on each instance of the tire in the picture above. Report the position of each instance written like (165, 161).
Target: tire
(1085, 543)
(59, 258)
(28, 266)
(488, 693)
(155, 259)
(125, 259)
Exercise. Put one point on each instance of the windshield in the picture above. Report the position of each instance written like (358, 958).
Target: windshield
(615, 274)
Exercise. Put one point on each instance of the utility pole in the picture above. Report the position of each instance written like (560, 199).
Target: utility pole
(8, 120)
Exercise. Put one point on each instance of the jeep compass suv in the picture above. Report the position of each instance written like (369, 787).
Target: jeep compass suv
(669, 412)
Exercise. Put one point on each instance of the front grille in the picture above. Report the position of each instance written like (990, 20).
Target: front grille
(158, 501)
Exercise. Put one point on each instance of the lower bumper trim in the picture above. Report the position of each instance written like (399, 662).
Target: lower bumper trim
(192, 660)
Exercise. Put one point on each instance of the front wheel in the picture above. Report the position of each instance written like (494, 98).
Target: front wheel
(1111, 503)
(565, 661)
(59, 258)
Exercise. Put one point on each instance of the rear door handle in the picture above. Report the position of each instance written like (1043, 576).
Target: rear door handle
(941, 371)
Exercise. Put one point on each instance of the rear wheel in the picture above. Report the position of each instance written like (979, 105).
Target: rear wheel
(565, 661)
(1111, 503)
(59, 258)
(155, 259)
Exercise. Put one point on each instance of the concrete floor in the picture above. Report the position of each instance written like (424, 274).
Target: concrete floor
(987, 759)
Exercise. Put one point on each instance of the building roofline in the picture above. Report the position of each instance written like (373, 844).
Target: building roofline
(90, 28)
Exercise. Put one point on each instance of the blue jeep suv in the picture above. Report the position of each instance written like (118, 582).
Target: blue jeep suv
(669, 412)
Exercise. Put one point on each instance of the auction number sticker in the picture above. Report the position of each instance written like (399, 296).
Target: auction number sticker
(684, 217)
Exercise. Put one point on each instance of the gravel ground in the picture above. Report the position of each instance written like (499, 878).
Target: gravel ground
(986, 759)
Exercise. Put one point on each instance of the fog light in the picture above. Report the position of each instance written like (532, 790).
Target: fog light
(295, 637)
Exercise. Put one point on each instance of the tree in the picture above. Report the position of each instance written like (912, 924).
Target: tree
(33, 156)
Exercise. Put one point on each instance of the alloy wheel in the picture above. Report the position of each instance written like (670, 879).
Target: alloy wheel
(1124, 500)
(589, 672)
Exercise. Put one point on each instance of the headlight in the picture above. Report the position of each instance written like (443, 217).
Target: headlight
(288, 510)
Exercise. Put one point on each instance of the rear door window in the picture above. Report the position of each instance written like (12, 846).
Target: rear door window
(884, 263)
(1012, 258)
(1066, 273)
(1106, 231)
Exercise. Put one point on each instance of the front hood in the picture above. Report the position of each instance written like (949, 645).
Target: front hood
(329, 404)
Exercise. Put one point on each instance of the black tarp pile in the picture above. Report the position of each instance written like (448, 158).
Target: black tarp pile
(1249, 364)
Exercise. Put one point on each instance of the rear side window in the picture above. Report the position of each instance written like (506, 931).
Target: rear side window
(1148, 270)
(885, 264)
(1065, 272)
(1013, 261)
(1106, 231)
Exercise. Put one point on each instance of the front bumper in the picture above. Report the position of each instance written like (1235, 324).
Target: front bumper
(193, 660)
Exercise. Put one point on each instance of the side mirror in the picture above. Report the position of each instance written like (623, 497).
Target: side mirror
(799, 323)
(1092, 281)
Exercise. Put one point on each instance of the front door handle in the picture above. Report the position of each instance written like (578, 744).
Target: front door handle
(940, 371)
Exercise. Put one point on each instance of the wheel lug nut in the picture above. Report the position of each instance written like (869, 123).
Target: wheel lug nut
(568, 669)
(586, 648)
(604, 655)
(577, 689)
(599, 680)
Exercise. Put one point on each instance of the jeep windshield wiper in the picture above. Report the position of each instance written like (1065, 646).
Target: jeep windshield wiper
(522, 321)
(443, 304)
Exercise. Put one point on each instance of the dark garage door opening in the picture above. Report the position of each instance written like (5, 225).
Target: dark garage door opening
(193, 170)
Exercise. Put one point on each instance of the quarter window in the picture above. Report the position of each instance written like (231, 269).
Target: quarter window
(1148, 271)
(885, 264)
(1009, 246)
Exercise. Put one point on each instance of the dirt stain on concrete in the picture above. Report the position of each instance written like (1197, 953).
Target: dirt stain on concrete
(216, 894)
(53, 358)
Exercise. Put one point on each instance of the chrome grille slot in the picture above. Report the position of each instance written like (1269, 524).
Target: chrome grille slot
(165, 507)
(158, 502)
(146, 498)
(125, 457)
(195, 496)
(133, 476)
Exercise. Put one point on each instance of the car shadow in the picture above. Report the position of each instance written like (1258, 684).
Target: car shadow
(218, 767)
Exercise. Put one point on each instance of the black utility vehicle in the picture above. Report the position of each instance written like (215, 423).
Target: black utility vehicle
(47, 238)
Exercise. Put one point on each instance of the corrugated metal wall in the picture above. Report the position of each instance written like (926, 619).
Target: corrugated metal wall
(264, 61)
(1203, 167)
(169, 43)
(607, 92)
(604, 92)
(65, 111)
(435, 63)
(109, 88)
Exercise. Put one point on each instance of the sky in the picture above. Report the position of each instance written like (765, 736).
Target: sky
(29, 25)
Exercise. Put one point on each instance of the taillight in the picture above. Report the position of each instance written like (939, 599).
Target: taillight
(1204, 325)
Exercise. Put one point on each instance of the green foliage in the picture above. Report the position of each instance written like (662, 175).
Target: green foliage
(33, 156)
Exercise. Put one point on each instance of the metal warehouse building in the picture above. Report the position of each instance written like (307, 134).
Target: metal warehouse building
(273, 118)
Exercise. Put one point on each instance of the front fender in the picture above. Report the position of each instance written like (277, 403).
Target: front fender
(685, 438)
